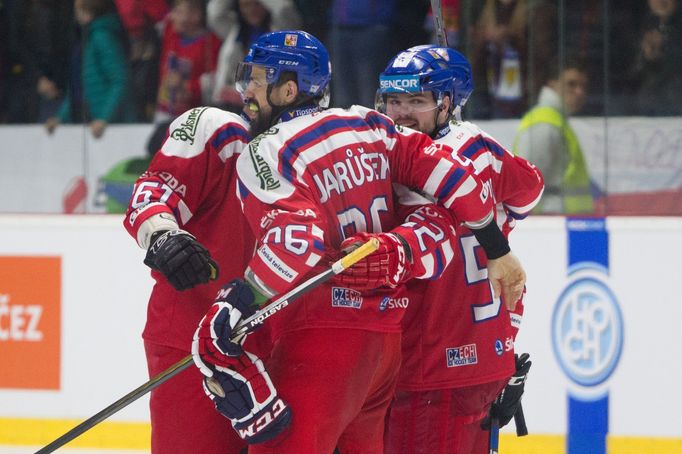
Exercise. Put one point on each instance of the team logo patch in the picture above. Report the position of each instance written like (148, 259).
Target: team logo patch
(499, 349)
(290, 39)
(461, 356)
(346, 297)
(188, 128)
(393, 303)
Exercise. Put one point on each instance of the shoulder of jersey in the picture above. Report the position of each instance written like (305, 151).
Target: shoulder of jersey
(461, 133)
(189, 133)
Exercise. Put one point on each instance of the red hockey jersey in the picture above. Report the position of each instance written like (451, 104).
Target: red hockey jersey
(312, 181)
(455, 333)
(193, 179)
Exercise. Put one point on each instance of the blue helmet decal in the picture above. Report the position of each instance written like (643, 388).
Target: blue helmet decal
(295, 51)
(440, 70)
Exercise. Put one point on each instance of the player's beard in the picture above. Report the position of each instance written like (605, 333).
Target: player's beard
(260, 118)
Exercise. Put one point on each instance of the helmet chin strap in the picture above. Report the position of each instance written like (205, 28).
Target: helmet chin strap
(278, 111)
(440, 129)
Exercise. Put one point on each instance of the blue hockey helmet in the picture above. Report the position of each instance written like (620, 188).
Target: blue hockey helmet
(440, 70)
(290, 51)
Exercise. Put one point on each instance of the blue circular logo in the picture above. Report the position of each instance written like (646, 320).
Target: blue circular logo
(499, 349)
(587, 331)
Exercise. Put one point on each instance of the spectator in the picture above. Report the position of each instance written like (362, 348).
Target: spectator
(547, 140)
(499, 57)
(239, 24)
(189, 55)
(142, 20)
(360, 36)
(658, 70)
(36, 36)
(105, 78)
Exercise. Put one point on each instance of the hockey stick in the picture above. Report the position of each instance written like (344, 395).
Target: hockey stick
(438, 23)
(521, 430)
(245, 327)
(494, 439)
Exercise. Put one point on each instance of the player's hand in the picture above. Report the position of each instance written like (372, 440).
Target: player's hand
(507, 278)
(245, 394)
(181, 258)
(51, 124)
(508, 401)
(212, 343)
(97, 128)
(388, 266)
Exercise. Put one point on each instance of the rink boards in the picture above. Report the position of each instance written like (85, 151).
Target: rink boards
(73, 293)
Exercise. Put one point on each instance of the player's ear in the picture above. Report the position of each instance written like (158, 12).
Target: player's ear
(290, 92)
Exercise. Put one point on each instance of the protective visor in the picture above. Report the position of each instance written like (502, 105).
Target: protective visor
(250, 76)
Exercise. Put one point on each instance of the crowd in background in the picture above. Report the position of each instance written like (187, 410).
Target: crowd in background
(112, 61)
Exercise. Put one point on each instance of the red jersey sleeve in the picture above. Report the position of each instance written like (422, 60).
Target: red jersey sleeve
(418, 162)
(187, 168)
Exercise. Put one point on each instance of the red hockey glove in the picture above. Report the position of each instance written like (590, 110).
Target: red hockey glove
(211, 343)
(245, 394)
(388, 266)
(181, 258)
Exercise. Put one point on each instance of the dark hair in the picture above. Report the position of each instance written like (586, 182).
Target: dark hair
(557, 66)
(99, 7)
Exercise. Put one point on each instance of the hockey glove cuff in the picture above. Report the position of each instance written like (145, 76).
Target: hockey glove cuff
(212, 342)
(181, 259)
(245, 394)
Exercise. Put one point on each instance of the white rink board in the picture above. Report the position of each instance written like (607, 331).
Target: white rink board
(105, 288)
(36, 169)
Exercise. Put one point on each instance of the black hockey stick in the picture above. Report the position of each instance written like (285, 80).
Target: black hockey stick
(245, 327)
(438, 23)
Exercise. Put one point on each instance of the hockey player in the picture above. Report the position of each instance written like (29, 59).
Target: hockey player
(184, 205)
(459, 354)
(311, 178)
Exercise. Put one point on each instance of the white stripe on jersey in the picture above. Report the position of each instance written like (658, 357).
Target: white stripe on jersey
(318, 232)
(332, 143)
(185, 212)
(429, 263)
(437, 176)
(485, 160)
(526, 208)
(313, 259)
(468, 185)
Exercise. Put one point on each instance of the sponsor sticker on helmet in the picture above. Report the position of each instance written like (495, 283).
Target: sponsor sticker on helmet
(290, 39)
(399, 84)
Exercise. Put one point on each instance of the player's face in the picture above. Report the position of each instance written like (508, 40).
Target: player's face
(413, 110)
(256, 105)
(572, 88)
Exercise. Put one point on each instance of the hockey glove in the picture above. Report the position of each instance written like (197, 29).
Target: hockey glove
(388, 266)
(509, 400)
(181, 258)
(212, 342)
(245, 394)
